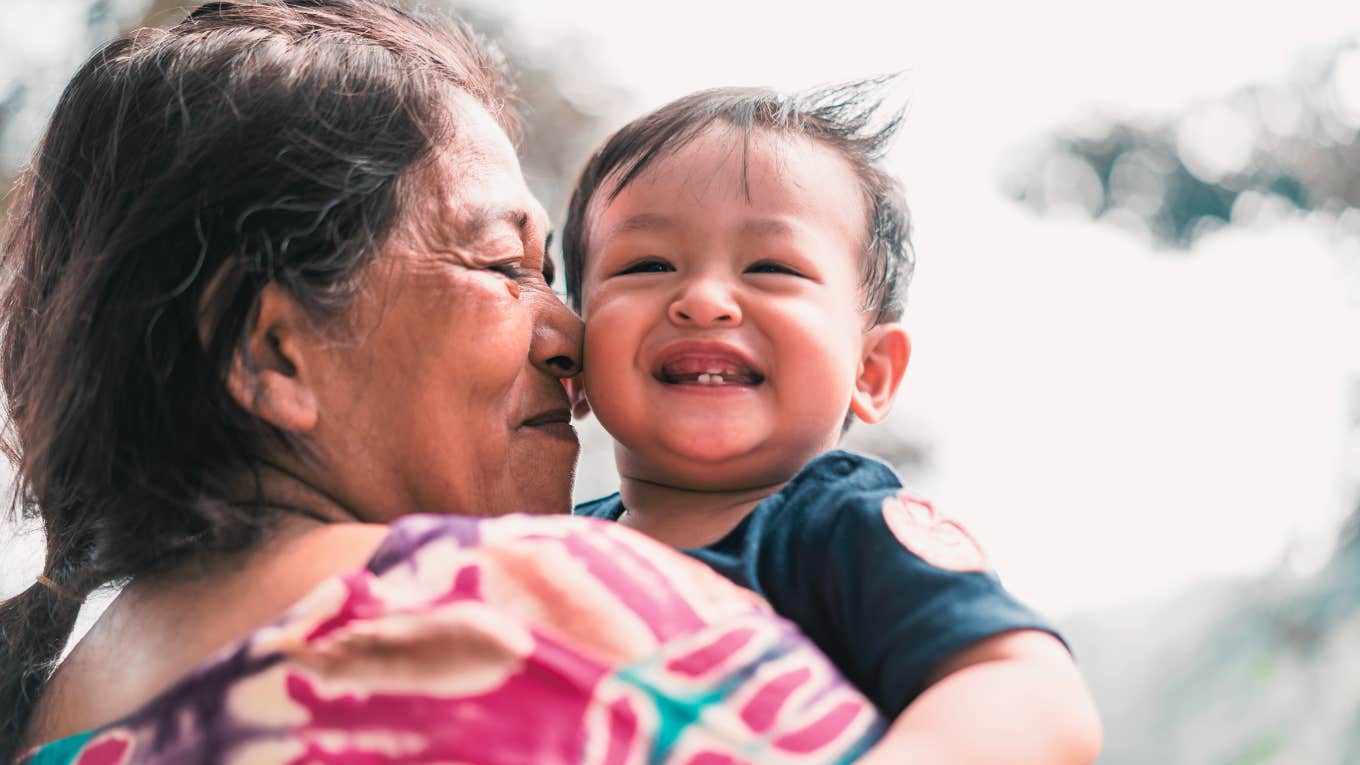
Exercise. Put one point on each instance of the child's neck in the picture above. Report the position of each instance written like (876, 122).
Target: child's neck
(684, 517)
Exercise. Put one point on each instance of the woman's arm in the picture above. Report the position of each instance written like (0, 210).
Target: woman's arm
(1013, 698)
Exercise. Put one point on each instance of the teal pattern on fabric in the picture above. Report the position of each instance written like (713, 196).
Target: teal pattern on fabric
(62, 751)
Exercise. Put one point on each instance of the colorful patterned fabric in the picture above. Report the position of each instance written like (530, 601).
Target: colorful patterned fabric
(511, 640)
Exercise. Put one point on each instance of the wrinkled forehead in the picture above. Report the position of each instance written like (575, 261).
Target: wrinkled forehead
(472, 187)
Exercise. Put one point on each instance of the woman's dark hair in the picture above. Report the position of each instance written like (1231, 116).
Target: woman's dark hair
(842, 117)
(256, 142)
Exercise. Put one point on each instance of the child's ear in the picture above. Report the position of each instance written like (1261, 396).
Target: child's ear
(269, 375)
(887, 349)
(576, 394)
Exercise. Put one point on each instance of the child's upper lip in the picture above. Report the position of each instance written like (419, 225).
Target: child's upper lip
(707, 353)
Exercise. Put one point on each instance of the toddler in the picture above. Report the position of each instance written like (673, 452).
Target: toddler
(741, 260)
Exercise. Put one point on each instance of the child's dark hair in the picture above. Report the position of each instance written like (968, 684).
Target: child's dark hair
(844, 118)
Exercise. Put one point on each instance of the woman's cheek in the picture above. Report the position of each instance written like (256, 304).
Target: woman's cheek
(496, 323)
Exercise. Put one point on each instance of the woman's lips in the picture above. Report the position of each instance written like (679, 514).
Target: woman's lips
(553, 422)
(550, 416)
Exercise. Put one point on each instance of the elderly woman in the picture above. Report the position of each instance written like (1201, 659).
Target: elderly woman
(275, 282)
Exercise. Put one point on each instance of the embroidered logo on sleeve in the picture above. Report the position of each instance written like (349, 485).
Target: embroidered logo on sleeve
(941, 542)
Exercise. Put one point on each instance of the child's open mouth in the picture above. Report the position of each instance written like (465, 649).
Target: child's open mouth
(707, 374)
(706, 368)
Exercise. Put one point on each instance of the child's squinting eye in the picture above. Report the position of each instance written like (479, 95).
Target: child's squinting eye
(770, 267)
(647, 266)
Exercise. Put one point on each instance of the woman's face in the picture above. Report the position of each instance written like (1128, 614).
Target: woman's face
(447, 397)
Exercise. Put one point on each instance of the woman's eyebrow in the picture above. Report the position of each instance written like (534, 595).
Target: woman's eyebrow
(483, 218)
(522, 221)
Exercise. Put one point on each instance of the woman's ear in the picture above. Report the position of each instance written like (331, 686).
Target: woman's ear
(887, 349)
(270, 376)
(576, 394)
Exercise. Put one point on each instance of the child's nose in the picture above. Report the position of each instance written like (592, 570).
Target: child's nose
(705, 303)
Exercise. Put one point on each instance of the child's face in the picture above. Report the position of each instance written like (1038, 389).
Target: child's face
(724, 331)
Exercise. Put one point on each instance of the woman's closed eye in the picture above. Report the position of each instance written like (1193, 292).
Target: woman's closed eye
(510, 269)
(646, 266)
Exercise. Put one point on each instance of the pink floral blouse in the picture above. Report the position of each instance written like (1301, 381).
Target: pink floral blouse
(521, 639)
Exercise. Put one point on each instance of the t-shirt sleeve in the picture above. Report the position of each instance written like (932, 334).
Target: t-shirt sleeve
(887, 588)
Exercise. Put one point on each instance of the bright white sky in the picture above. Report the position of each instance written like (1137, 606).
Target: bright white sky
(1113, 423)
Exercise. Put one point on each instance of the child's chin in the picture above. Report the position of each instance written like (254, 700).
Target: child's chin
(704, 450)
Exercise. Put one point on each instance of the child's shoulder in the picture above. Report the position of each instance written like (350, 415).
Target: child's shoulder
(855, 502)
(849, 469)
(837, 479)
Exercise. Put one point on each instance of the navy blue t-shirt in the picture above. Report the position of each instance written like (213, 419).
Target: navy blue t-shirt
(841, 552)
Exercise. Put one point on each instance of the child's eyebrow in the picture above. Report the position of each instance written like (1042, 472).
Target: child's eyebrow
(639, 222)
(756, 227)
(766, 227)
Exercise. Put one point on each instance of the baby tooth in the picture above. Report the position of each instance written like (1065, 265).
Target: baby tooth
(703, 379)
(716, 379)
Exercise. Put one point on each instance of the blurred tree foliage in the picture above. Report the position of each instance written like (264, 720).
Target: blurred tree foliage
(1261, 671)
(1262, 152)
(1264, 149)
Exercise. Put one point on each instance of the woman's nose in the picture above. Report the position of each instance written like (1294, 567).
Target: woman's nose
(556, 345)
(704, 303)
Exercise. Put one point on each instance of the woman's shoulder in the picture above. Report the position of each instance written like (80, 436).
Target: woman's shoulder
(157, 630)
(514, 639)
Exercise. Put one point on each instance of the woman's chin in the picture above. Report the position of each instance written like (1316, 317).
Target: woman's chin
(543, 467)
